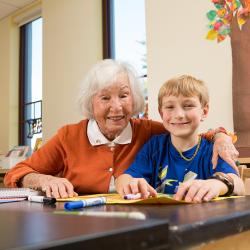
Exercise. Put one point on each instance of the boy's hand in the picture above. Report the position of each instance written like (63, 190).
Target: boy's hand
(125, 184)
(224, 148)
(200, 190)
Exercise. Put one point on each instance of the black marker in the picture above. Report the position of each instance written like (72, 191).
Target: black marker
(42, 199)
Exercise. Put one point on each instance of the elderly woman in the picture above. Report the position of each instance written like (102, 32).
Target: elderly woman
(87, 157)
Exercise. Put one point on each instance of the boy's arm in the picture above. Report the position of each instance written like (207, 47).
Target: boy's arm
(206, 190)
(126, 184)
(234, 184)
(223, 169)
(239, 188)
(121, 184)
(137, 177)
(200, 190)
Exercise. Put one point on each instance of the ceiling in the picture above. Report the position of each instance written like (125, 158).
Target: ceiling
(7, 7)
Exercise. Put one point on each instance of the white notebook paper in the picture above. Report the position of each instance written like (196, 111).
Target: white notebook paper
(17, 192)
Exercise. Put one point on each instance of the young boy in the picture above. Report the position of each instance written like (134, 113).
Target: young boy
(179, 163)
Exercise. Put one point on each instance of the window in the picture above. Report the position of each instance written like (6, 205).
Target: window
(124, 36)
(30, 104)
(125, 32)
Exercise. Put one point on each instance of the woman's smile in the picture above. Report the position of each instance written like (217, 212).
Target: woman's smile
(113, 107)
(116, 118)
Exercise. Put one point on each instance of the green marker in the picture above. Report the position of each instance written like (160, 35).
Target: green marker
(112, 214)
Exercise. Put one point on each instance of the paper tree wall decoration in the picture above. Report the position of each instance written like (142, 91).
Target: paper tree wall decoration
(221, 18)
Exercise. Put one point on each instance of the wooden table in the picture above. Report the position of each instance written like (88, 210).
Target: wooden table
(29, 225)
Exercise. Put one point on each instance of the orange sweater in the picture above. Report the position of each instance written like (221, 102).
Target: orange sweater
(89, 168)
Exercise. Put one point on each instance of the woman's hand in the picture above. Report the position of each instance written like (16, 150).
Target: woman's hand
(56, 187)
(53, 186)
(125, 184)
(224, 148)
(200, 190)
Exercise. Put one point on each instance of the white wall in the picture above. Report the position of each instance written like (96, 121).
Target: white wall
(72, 44)
(4, 86)
(176, 44)
(8, 84)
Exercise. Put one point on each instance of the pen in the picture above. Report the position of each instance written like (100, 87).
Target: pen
(42, 199)
(117, 214)
(85, 203)
(133, 196)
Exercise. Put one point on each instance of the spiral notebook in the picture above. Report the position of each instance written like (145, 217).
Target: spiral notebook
(7, 193)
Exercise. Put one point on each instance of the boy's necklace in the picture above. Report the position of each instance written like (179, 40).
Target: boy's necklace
(195, 153)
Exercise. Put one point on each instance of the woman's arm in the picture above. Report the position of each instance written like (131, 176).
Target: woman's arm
(41, 169)
(223, 147)
(53, 186)
(48, 160)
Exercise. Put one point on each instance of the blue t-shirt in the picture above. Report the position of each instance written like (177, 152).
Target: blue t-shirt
(164, 169)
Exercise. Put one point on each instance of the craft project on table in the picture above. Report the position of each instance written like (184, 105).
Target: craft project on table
(117, 199)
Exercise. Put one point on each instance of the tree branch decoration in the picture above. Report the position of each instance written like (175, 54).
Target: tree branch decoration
(221, 18)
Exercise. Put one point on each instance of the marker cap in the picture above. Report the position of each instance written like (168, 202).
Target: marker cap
(73, 205)
(49, 200)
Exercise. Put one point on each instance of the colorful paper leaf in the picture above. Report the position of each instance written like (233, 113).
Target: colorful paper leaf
(221, 18)
(212, 34)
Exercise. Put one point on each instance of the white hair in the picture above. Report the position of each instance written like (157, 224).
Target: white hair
(104, 74)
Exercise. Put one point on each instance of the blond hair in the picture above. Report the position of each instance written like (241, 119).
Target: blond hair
(185, 85)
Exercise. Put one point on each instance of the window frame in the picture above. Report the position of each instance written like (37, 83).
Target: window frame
(24, 69)
(108, 31)
(25, 86)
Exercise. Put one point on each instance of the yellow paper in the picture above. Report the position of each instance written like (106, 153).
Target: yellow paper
(82, 197)
(160, 199)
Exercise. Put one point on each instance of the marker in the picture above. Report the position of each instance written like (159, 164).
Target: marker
(133, 196)
(85, 203)
(42, 199)
(128, 215)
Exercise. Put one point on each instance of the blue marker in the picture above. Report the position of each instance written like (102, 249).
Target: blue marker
(85, 203)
